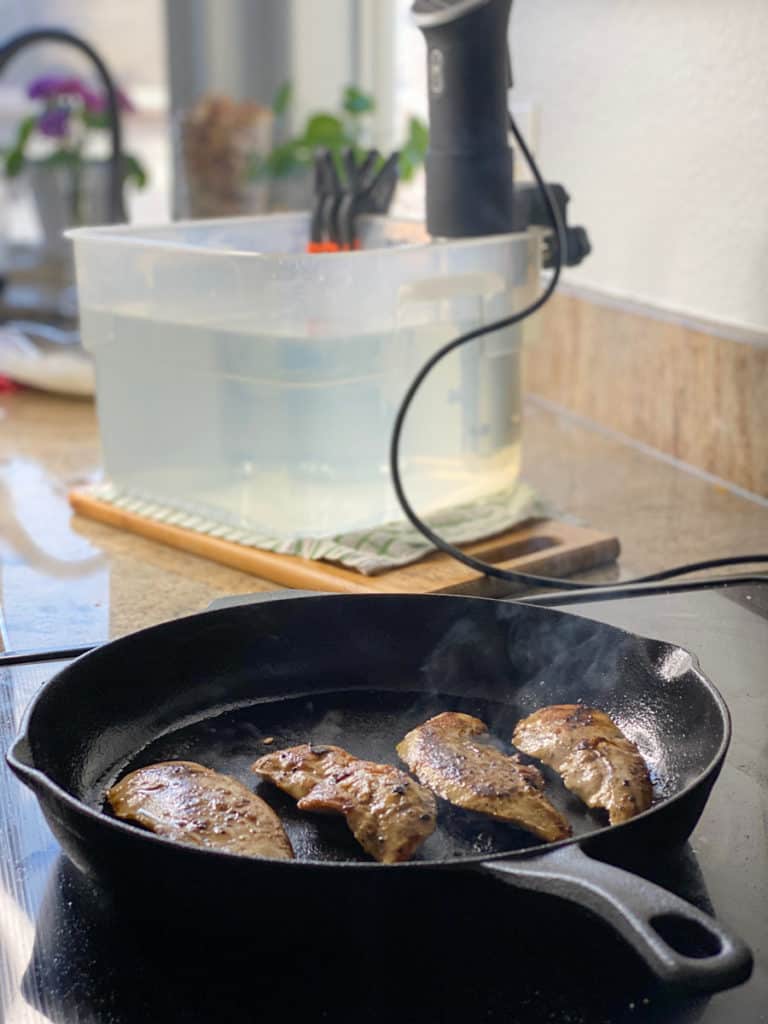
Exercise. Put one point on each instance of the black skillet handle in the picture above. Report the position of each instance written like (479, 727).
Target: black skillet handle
(685, 948)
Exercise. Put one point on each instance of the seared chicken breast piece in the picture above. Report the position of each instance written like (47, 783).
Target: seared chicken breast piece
(451, 754)
(388, 813)
(184, 801)
(593, 756)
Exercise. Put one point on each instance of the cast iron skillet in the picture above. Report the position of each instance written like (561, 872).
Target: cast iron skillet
(360, 671)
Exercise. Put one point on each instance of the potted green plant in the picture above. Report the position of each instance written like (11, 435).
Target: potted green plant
(55, 146)
(287, 167)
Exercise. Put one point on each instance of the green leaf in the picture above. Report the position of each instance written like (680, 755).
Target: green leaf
(134, 171)
(356, 101)
(96, 120)
(282, 99)
(285, 159)
(14, 163)
(26, 127)
(414, 150)
(418, 135)
(324, 130)
(15, 157)
(405, 166)
(335, 132)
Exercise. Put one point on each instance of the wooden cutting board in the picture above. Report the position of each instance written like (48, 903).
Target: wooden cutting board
(547, 547)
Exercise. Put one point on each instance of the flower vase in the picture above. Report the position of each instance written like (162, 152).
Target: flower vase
(66, 197)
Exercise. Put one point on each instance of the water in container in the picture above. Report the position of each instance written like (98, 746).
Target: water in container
(258, 388)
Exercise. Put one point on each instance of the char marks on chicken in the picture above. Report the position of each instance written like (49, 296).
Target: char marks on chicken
(451, 754)
(594, 758)
(388, 812)
(191, 804)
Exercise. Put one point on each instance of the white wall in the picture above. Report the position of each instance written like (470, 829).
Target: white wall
(654, 114)
(129, 36)
(339, 42)
(322, 59)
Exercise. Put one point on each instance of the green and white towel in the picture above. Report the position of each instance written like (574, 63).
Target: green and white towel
(369, 551)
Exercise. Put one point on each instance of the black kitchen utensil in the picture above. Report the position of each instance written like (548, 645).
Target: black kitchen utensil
(323, 231)
(366, 188)
(377, 195)
(318, 196)
(360, 671)
(359, 178)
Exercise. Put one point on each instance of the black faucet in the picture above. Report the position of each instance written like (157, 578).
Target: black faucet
(10, 47)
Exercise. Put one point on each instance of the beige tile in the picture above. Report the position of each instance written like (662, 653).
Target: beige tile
(698, 397)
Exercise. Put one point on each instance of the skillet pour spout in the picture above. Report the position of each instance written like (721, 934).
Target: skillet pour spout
(359, 671)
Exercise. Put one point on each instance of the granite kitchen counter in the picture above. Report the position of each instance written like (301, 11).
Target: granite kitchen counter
(65, 580)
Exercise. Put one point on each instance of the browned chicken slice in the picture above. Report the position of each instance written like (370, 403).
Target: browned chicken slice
(388, 813)
(192, 804)
(593, 756)
(450, 753)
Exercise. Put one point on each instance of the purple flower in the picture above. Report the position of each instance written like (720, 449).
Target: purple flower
(48, 87)
(43, 87)
(70, 86)
(96, 103)
(54, 122)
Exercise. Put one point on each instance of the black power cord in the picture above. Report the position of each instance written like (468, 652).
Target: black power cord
(558, 249)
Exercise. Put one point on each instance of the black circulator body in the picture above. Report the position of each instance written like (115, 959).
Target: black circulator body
(469, 166)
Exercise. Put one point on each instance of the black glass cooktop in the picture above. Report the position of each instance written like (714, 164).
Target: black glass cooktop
(65, 955)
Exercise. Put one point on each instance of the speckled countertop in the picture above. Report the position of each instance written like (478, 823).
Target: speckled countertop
(65, 580)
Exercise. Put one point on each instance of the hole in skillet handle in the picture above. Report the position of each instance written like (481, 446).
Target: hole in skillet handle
(685, 949)
(689, 938)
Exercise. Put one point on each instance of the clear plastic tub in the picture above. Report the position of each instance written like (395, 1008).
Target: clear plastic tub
(244, 380)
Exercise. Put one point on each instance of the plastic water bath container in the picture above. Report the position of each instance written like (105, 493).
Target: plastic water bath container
(244, 380)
